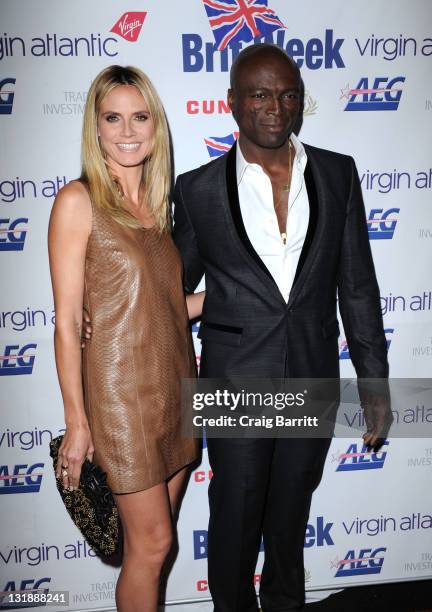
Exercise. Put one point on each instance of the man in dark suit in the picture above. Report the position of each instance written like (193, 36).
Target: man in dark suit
(279, 230)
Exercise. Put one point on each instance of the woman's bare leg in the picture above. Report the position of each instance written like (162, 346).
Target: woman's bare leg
(147, 528)
(175, 489)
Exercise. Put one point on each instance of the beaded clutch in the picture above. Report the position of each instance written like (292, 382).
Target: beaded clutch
(92, 506)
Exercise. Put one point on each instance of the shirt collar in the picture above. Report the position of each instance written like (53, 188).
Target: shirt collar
(242, 165)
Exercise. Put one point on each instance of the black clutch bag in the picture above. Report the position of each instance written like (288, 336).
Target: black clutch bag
(92, 506)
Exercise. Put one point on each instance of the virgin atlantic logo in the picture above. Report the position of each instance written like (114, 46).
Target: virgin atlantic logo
(129, 26)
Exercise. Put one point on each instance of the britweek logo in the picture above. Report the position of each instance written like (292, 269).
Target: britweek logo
(218, 145)
(129, 25)
(6, 96)
(17, 360)
(237, 23)
(380, 94)
(21, 478)
(344, 350)
(314, 53)
(240, 20)
(366, 561)
(26, 586)
(13, 234)
(316, 535)
(382, 223)
(354, 459)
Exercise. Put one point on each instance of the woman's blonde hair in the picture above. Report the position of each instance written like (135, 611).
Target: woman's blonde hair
(156, 177)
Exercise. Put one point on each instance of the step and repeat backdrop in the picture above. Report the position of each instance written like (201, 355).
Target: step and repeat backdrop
(366, 69)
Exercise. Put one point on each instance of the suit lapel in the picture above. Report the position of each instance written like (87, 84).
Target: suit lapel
(313, 218)
(312, 239)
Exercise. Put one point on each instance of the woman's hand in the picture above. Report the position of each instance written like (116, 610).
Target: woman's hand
(87, 330)
(76, 446)
(194, 303)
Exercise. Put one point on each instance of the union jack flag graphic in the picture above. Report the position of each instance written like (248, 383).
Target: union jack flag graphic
(217, 145)
(236, 20)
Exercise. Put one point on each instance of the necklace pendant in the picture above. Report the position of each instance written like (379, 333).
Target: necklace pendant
(284, 237)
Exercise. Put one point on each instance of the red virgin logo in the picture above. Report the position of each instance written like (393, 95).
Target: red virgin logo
(129, 26)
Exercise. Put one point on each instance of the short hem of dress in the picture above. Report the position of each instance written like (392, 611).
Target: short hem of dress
(158, 481)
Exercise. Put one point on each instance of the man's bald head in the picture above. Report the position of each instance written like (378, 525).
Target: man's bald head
(254, 53)
(265, 97)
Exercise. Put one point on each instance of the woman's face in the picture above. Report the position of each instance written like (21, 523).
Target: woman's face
(125, 127)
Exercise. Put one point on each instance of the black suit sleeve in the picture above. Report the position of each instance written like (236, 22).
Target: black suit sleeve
(359, 298)
(185, 239)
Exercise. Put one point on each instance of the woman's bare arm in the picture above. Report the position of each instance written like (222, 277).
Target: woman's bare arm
(69, 229)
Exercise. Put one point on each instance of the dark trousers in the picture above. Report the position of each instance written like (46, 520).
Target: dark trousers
(260, 487)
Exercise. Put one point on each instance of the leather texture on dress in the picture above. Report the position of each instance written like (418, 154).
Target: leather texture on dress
(141, 348)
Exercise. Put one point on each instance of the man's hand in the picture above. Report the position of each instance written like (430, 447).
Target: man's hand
(375, 401)
(86, 328)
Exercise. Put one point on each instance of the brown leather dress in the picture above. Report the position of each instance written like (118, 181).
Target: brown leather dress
(140, 350)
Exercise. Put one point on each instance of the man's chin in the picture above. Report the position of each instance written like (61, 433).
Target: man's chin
(273, 143)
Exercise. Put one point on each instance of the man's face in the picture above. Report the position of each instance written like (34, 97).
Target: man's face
(265, 100)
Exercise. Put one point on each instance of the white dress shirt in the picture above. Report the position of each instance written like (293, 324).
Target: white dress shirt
(260, 221)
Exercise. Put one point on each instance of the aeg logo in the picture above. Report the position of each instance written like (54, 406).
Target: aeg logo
(6, 96)
(366, 561)
(344, 350)
(382, 94)
(16, 360)
(12, 237)
(22, 478)
(355, 459)
(382, 223)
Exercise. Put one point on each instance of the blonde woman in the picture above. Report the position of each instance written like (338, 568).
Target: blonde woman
(111, 250)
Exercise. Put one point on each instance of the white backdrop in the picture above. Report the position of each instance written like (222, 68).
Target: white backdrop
(373, 510)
